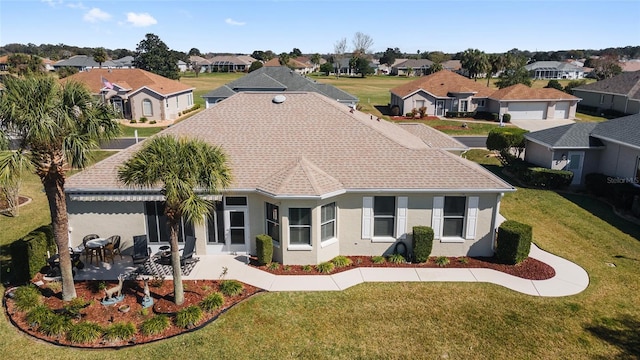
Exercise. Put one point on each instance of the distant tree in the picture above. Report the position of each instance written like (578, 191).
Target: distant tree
(197, 68)
(496, 64)
(475, 62)
(575, 54)
(23, 64)
(514, 72)
(258, 55)
(390, 55)
(362, 43)
(326, 68)
(339, 49)
(268, 55)
(100, 56)
(65, 71)
(606, 67)
(283, 59)
(120, 53)
(554, 84)
(360, 65)
(435, 67)
(295, 53)
(194, 52)
(573, 84)
(255, 66)
(437, 56)
(315, 59)
(153, 55)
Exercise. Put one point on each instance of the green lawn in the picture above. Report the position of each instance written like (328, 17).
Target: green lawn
(589, 118)
(420, 320)
(129, 131)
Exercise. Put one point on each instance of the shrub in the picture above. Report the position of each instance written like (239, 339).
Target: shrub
(188, 317)
(514, 242)
(73, 307)
(463, 260)
(273, 266)
(395, 110)
(554, 84)
(27, 297)
(143, 119)
(98, 286)
(307, 268)
(572, 84)
(422, 243)
(132, 121)
(547, 178)
(154, 325)
(442, 261)
(120, 331)
(55, 325)
(84, 332)
(485, 115)
(597, 184)
(39, 315)
(460, 114)
(326, 267)
(396, 259)
(341, 261)
(152, 122)
(55, 286)
(378, 259)
(157, 281)
(212, 301)
(231, 287)
(506, 118)
(506, 139)
(264, 249)
(29, 254)
(423, 111)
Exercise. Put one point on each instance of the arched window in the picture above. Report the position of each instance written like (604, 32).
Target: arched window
(147, 107)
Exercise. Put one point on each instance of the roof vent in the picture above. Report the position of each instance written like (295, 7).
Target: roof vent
(279, 99)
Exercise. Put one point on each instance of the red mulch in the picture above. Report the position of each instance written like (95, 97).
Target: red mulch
(4, 205)
(405, 118)
(195, 291)
(530, 269)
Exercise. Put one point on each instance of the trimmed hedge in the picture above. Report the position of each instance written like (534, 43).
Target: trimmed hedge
(460, 114)
(514, 242)
(547, 178)
(29, 254)
(264, 249)
(506, 118)
(486, 115)
(422, 243)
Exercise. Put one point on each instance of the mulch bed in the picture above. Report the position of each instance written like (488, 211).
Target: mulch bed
(530, 268)
(161, 292)
(4, 205)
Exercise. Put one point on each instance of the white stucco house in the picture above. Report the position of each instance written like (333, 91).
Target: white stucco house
(319, 177)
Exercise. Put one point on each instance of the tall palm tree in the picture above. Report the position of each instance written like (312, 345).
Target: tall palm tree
(496, 64)
(58, 126)
(183, 168)
(475, 62)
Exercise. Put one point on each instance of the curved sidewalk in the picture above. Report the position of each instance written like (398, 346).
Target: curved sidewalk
(570, 278)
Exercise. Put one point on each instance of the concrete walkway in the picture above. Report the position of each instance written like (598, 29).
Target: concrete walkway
(570, 278)
(535, 125)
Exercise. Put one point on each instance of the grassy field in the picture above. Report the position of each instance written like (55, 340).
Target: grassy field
(419, 320)
(207, 82)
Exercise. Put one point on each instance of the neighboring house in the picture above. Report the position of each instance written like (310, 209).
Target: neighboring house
(4, 63)
(447, 91)
(200, 61)
(124, 62)
(279, 78)
(230, 63)
(554, 70)
(525, 103)
(182, 66)
(630, 65)
(137, 93)
(620, 93)
(611, 147)
(295, 65)
(48, 64)
(441, 92)
(412, 67)
(83, 63)
(320, 179)
(452, 65)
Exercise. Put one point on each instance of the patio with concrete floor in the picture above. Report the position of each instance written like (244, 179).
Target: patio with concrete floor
(570, 279)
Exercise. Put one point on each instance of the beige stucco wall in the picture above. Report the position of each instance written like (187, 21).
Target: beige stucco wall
(618, 160)
(105, 219)
(537, 154)
(177, 103)
(610, 101)
(156, 102)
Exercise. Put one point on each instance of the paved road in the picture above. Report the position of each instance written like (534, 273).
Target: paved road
(117, 144)
(473, 141)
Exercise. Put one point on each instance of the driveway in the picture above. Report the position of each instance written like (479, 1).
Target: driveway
(535, 125)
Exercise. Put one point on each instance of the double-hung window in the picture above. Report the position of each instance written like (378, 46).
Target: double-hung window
(273, 222)
(147, 107)
(328, 222)
(453, 216)
(299, 226)
(464, 105)
(384, 210)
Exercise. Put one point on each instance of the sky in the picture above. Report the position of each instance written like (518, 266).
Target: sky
(315, 26)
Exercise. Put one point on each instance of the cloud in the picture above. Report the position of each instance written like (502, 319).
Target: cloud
(141, 20)
(233, 22)
(52, 3)
(77, 5)
(95, 15)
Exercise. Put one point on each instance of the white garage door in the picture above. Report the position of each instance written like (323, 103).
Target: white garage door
(562, 110)
(528, 110)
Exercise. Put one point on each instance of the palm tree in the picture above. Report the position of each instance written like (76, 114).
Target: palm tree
(184, 168)
(496, 64)
(475, 62)
(58, 126)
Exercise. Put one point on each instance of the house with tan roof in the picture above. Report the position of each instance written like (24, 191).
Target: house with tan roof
(319, 177)
(137, 93)
(295, 65)
(4, 63)
(446, 91)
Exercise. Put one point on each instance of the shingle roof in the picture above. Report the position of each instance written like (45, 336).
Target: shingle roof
(83, 61)
(575, 136)
(133, 79)
(556, 65)
(432, 137)
(523, 92)
(624, 130)
(415, 63)
(282, 78)
(308, 145)
(442, 83)
(627, 83)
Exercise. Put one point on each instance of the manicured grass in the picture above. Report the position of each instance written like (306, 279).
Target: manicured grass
(589, 118)
(535, 83)
(454, 127)
(129, 131)
(482, 157)
(434, 320)
(206, 82)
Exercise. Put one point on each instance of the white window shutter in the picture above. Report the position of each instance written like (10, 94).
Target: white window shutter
(401, 216)
(367, 217)
(472, 217)
(436, 217)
